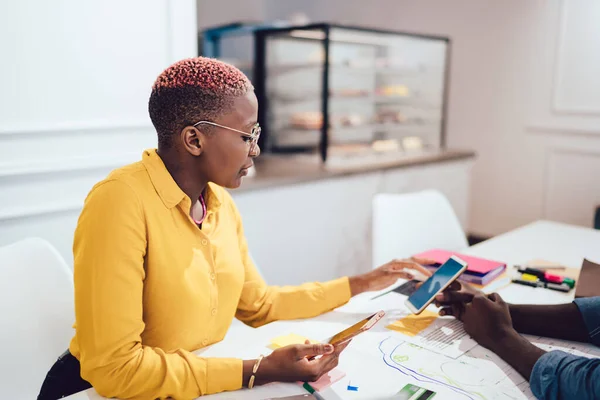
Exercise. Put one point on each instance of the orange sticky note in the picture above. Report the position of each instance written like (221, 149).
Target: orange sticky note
(412, 325)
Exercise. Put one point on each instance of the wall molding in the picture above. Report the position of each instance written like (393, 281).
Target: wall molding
(74, 164)
(556, 107)
(45, 210)
(75, 127)
(547, 176)
(561, 129)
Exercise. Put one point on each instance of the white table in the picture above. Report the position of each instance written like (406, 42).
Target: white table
(551, 241)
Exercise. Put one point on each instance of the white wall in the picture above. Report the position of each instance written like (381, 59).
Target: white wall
(213, 13)
(525, 95)
(75, 78)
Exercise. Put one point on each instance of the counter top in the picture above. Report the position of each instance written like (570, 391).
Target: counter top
(273, 171)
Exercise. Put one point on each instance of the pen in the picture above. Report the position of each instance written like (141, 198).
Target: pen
(542, 267)
(532, 271)
(312, 391)
(527, 283)
(563, 287)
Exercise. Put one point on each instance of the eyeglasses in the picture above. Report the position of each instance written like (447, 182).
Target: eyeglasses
(253, 135)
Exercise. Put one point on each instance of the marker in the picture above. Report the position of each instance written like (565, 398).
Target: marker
(529, 277)
(555, 267)
(553, 278)
(312, 391)
(563, 287)
(570, 282)
(532, 271)
(528, 283)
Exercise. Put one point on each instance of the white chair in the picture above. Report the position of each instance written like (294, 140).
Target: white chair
(37, 311)
(407, 224)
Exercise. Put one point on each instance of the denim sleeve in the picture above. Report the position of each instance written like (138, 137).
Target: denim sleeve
(589, 307)
(559, 375)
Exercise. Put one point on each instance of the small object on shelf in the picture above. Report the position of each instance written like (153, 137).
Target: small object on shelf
(412, 143)
(393, 91)
(390, 116)
(351, 120)
(386, 145)
(307, 120)
(349, 93)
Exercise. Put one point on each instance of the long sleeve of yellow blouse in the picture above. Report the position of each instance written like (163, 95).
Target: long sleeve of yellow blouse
(151, 287)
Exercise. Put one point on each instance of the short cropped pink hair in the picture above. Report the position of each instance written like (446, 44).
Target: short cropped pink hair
(191, 90)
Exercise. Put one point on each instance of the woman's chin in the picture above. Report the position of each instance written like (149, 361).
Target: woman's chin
(235, 183)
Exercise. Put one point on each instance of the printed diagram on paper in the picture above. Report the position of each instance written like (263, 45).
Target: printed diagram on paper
(433, 353)
(436, 353)
(441, 335)
(477, 374)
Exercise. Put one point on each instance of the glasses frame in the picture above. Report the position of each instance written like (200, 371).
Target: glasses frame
(254, 133)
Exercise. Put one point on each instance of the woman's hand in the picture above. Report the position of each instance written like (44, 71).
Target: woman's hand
(388, 274)
(297, 363)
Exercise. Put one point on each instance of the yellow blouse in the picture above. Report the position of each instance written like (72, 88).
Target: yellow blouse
(150, 287)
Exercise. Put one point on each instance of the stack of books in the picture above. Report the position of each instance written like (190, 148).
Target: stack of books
(479, 270)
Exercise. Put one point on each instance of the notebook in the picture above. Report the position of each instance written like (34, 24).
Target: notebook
(479, 270)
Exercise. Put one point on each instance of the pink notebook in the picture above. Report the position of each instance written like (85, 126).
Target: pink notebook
(476, 265)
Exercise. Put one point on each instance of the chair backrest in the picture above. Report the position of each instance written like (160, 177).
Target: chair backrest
(37, 311)
(407, 224)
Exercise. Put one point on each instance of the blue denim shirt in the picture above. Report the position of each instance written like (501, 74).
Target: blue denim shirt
(560, 375)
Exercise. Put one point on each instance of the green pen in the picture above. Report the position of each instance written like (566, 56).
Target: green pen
(312, 391)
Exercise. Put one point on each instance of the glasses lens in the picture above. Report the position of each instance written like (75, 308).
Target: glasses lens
(255, 135)
(255, 130)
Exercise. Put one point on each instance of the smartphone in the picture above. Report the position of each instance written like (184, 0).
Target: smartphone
(356, 329)
(440, 280)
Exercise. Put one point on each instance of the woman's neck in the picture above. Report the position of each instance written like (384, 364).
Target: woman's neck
(192, 186)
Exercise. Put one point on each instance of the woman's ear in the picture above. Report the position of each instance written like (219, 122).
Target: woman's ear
(193, 140)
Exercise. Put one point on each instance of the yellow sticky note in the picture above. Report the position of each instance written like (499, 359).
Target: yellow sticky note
(413, 324)
(286, 340)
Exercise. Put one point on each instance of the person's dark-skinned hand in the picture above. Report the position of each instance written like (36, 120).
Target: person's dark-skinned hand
(388, 274)
(453, 299)
(486, 319)
(301, 362)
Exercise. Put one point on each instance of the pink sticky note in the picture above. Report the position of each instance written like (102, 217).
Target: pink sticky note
(327, 380)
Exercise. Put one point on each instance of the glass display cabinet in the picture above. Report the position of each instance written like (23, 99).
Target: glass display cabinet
(344, 91)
